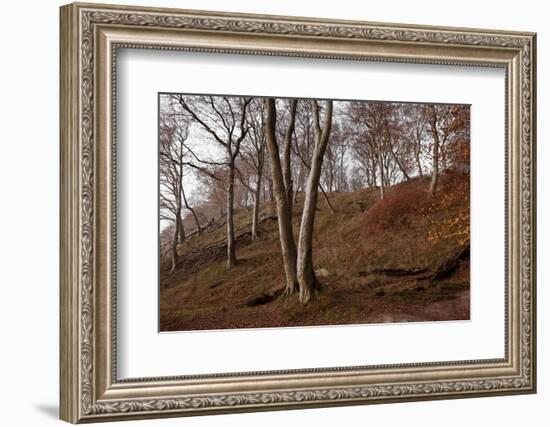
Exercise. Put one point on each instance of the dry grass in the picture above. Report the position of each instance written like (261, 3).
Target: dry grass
(364, 234)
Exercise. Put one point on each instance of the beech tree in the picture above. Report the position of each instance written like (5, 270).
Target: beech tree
(335, 173)
(391, 142)
(371, 143)
(253, 159)
(284, 213)
(223, 121)
(432, 120)
(303, 148)
(192, 210)
(414, 131)
(287, 150)
(306, 274)
(447, 124)
(172, 155)
(396, 142)
(298, 262)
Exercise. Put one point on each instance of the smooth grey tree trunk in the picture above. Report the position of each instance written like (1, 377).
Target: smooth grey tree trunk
(179, 219)
(287, 172)
(398, 162)
(256, 208)
(298, 185)
(288, 245)
(181, 233)
(306, 274)
(232, 145)
(270, 190)
(418, 163)
(382, 177)
(189, 208)
(231, 257)
(175, 247)
(435, 151)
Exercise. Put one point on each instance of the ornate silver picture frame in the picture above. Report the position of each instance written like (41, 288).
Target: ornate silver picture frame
(91, 390)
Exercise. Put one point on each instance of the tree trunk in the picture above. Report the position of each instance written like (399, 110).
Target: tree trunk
(418, 164)
(435, 168)
(246, 194)
(382, 177)
(443, 156)
(287, 173)
(181, 233)
(231, 257)
(179, 220)
(374, 175)
(435, 152)
(189, 208)
(399, 165)
(256, 208)
(417, 151)
(298, 185)
(270, 190)
(327, 200)
(306, 274)
(330, 178)
(175, 246)
(288, 245)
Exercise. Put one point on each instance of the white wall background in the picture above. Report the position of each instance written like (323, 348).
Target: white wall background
(29, 170)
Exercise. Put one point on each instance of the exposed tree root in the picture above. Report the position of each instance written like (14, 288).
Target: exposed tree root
(394, 272)
(216, 284)
(268, 297)
(449, 267)
(445, 270)
(306, 295)
(289, 291)
(264, 298)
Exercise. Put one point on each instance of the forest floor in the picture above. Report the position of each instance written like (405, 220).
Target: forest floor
(373, 258)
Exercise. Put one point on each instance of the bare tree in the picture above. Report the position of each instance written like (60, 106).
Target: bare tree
(371, 139)
(432, 120)
(334, 173)
(415, 132)
(306, 274)
(190, 209)
(413, 135)
(253, 159)
(447, 123)
(298, 264)
(223, 120)
(394, 139)
(287, 146)
(303, 149)
(286, 234)
(172, 136)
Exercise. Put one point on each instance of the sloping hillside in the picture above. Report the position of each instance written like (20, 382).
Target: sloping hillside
(377, 262)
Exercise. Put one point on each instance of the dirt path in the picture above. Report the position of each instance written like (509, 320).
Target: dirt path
(457, 308)
(410, 303)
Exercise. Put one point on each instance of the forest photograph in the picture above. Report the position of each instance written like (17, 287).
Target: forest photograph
(287, 212)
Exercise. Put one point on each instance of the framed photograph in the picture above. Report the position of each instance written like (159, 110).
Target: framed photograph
(266, 212)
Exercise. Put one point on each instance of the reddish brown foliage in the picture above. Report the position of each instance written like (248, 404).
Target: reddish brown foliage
(455, 199)
(398, 206)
